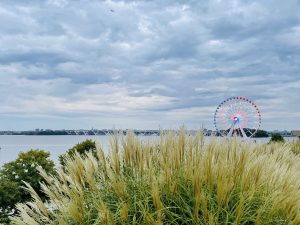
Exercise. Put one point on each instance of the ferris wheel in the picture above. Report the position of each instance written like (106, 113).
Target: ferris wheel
(237, 117)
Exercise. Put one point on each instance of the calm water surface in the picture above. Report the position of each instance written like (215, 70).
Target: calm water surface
(12, 145)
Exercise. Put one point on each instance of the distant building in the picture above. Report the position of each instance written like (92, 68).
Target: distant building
(296, 133)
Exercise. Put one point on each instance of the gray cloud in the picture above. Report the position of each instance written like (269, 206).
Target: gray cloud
(142, 64)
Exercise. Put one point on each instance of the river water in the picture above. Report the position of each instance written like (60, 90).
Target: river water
(12, 145)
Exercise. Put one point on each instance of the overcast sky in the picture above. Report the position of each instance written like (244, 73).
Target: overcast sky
(145, 64)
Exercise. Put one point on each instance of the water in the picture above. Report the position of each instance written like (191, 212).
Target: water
(11, 145)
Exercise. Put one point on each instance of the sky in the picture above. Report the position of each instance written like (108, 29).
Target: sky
(71, 64)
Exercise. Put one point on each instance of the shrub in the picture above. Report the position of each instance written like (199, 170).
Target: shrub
(81, 148)
(10, 195)
(178, 180)
(277, 138)
(14, 173)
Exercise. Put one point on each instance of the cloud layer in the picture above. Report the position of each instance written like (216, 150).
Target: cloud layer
(144, 64)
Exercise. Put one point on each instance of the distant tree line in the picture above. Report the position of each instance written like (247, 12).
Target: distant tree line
(46, 132)
(261, 133)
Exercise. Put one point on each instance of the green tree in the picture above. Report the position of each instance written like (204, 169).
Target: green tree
(10, 194)
(12, 175)
(277, 138)
(261, 133)
(81, 148)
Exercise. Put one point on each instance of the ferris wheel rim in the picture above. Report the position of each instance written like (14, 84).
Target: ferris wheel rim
(243, 100)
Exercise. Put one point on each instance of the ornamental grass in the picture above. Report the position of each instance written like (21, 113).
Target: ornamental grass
(177, 179)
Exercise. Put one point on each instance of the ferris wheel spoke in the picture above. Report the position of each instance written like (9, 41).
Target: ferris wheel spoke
(230, 131)
(249, 131)
(243, 132)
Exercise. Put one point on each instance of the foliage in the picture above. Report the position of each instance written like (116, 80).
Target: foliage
(81, 148)
(46, 132)
(10, 195)
(177, 180)
(12, 175)
(261, 133)
(277, 138)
